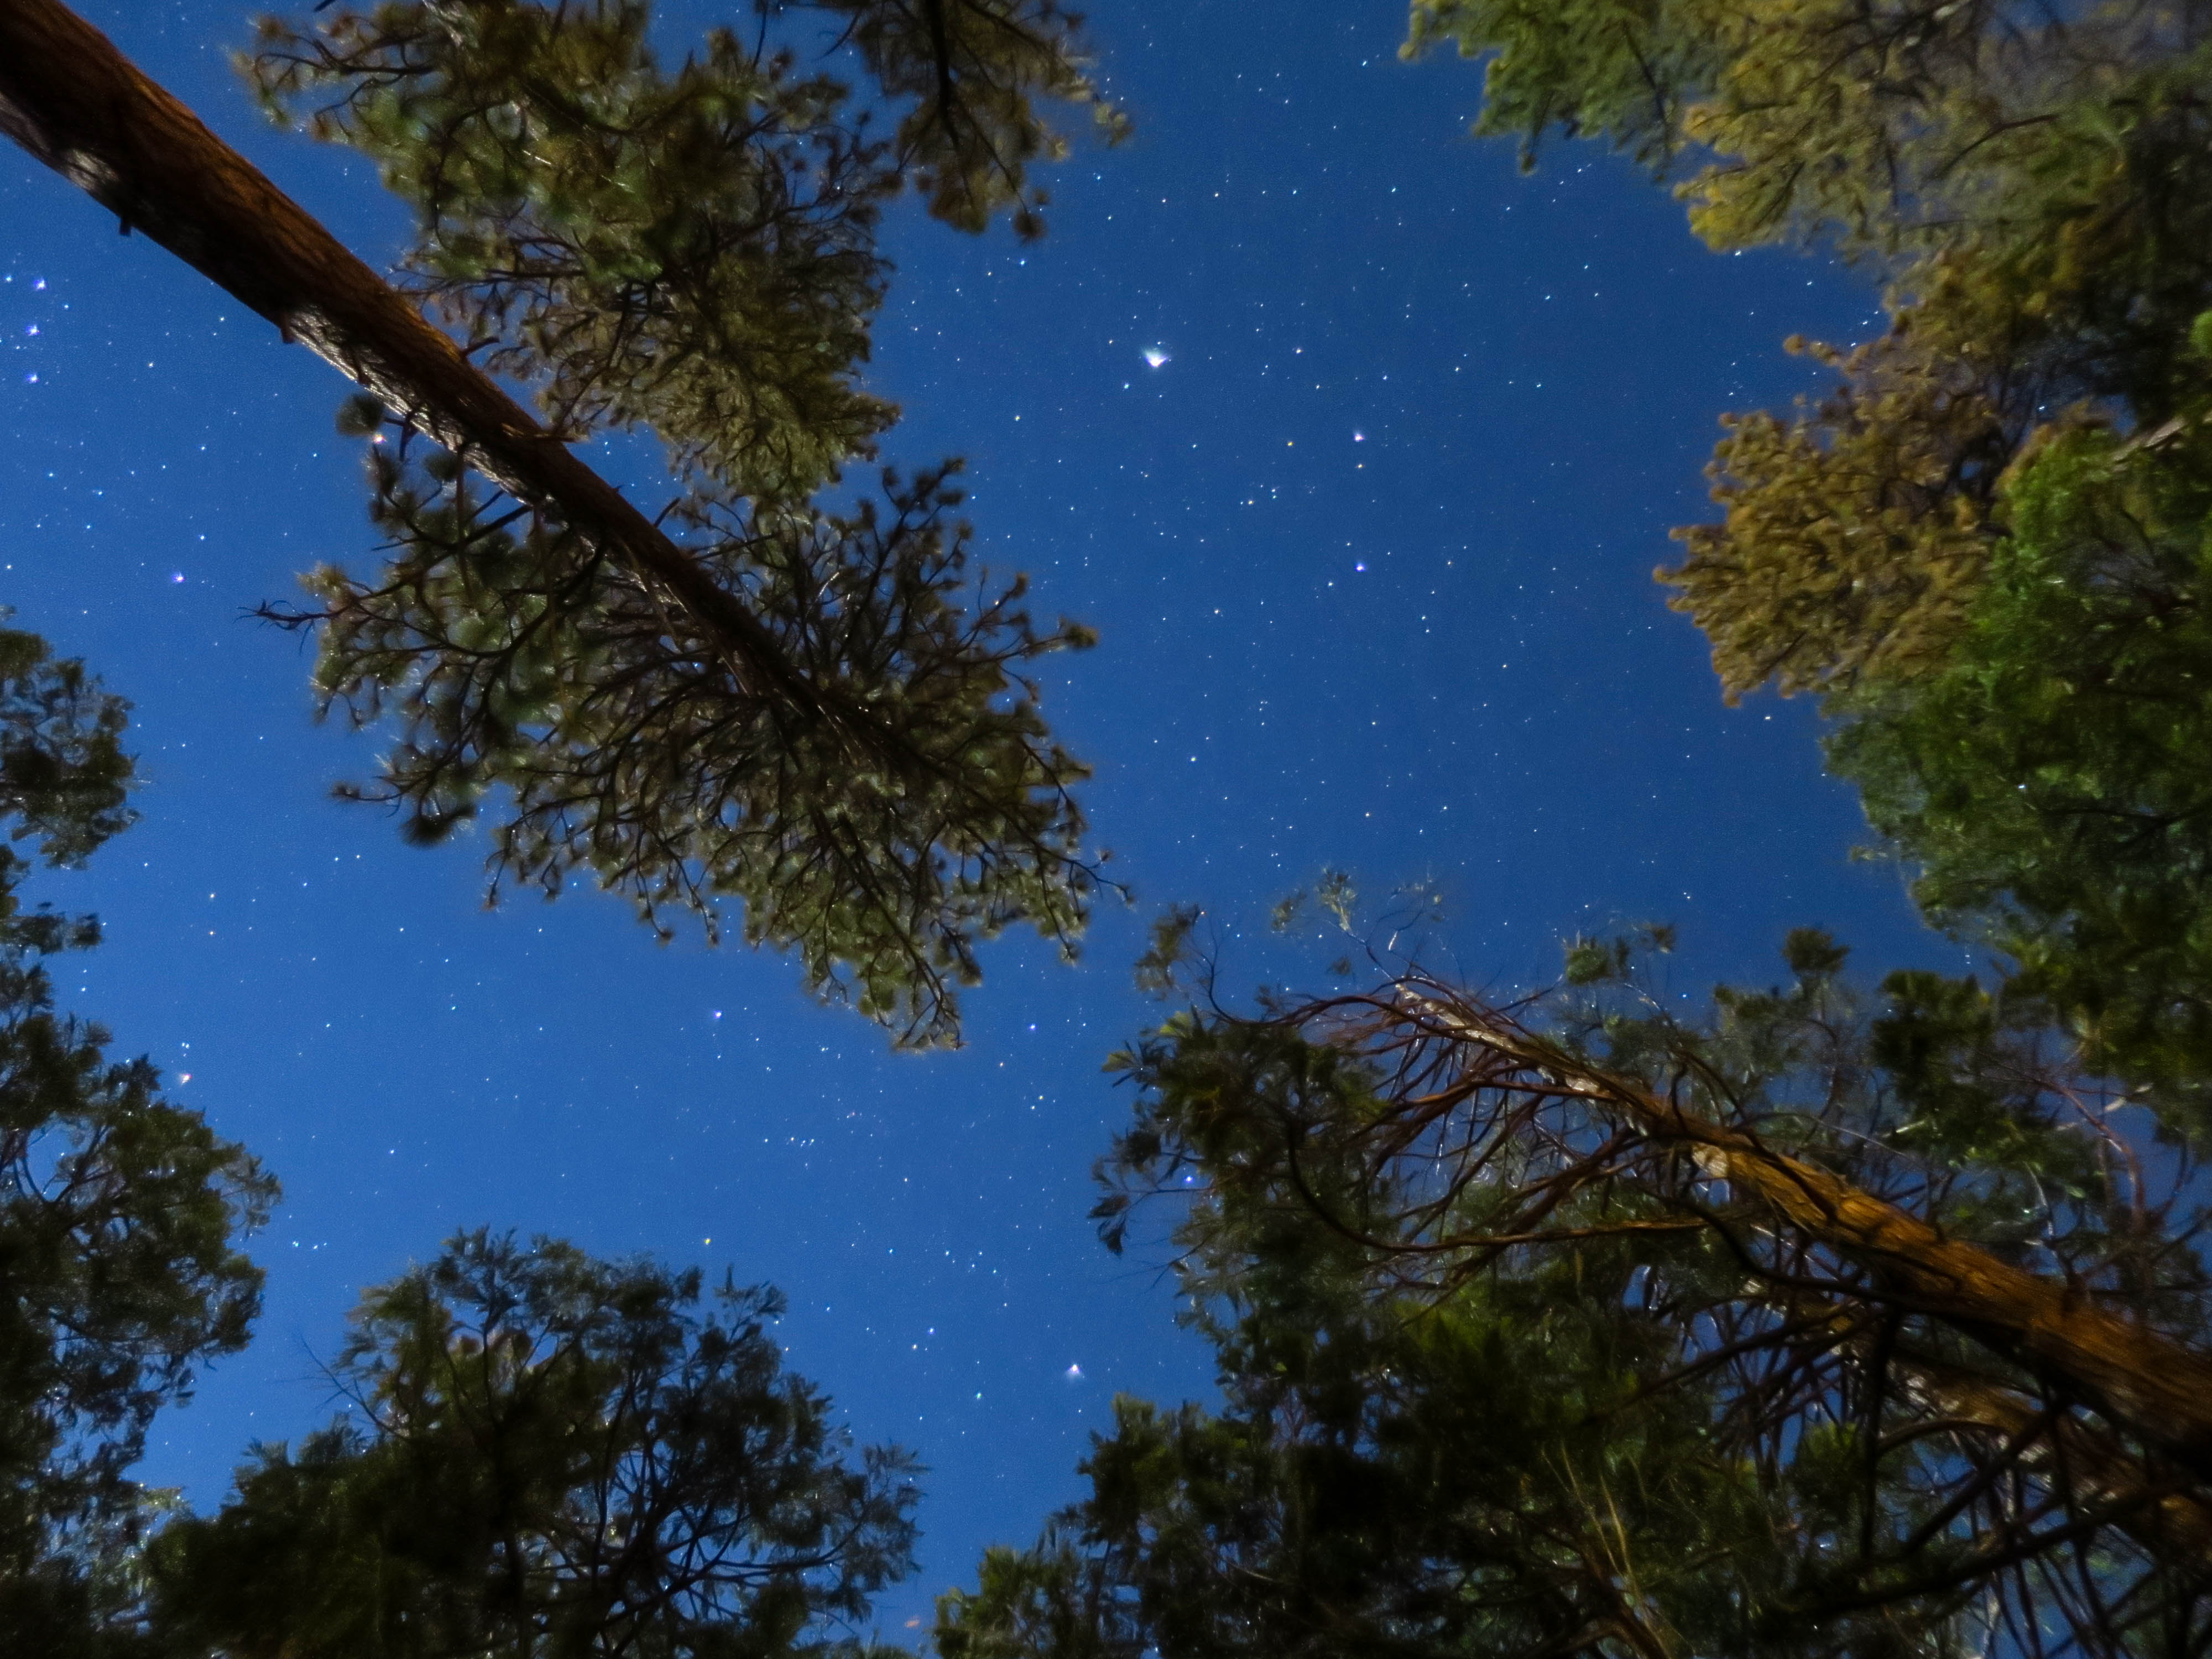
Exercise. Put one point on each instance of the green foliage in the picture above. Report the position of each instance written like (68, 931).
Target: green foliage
(1623, 70)
(974, 69)
(692, 252)
(1858, 534)
(1167, 950)
(2044, 776)
(1891, 128)
(63, 776)
(548, 1454)
(1590, 961)
(1503, 1374)
(119, 1211)
(880, 847)
(1983, 547)
(1392, 1482)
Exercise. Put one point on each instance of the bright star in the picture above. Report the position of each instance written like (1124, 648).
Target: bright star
(1158, 356)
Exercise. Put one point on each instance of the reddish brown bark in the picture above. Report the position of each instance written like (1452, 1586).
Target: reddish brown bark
(2134, 1377)
(69, 97)
(2159, 1388)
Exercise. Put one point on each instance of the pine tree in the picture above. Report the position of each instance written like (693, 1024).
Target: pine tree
(1826, 1324)
(547, 1454)
(1984, 548)
(823, 714)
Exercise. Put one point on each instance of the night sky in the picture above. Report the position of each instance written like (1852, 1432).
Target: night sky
(1370, 553)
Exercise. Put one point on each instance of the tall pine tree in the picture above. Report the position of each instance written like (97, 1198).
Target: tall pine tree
(546, 1454)
(1984, 548)
(121, 1215)
(1828, 1324)
(823, 714)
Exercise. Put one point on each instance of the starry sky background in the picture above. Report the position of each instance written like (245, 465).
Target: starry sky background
(1370, 557)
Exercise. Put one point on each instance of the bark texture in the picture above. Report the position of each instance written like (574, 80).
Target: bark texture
(2174, 1525)
(2132, 1374)
(73, 101)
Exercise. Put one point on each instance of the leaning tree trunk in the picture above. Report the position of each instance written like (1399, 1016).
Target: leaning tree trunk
(2069, 1453)
(69, 97)
(2135, 1377)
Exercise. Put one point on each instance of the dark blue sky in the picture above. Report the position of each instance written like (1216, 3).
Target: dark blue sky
(1370, 557)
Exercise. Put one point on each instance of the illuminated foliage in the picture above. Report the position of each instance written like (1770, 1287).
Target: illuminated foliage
(853, 754)
(2042, 774)
(1583, 1329)
(1858, 535)
(1983, 547)
(518, 660)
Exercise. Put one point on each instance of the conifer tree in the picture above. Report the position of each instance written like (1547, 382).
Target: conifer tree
(546, 1454)
(823, 714)
(121, 1213)
(1582, 1328)
(1984, 548)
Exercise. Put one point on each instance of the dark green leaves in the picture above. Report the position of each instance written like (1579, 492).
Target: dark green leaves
(119, 1212)
(1507, 1369)
(550, 1454)
(63, 775)
(1626, 69)
(973, 73)
(2045, 777)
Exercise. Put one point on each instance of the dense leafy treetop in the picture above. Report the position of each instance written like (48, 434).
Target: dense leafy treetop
(2032, 182)
(1982, 547)
(2042, 772)
(692, 252)
(548, 1454)
(63, 776)
(518, 658)
(1891, 127)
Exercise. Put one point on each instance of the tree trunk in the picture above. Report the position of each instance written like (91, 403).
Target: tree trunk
(2149, 1384)
(69, 97)
(2175, 1526)
(2134, 1377)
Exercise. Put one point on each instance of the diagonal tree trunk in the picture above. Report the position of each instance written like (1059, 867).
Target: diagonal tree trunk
(2154, 1386)
(70, 99)
(2176, 1525)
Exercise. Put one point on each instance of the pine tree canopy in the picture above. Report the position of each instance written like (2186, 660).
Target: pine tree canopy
(547, 1454)
(120, 1212)
(2042, 772)
(1579, 1327)
(1984, 548)
(814, 708)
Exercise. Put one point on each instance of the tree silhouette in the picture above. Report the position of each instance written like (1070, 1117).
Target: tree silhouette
(547, 1454)
(120, 1214)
